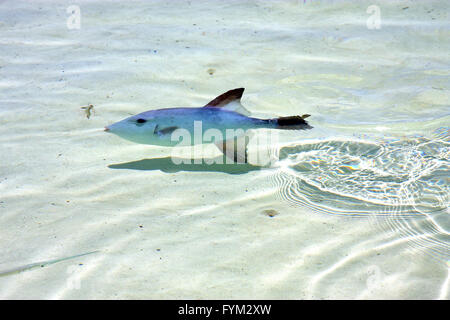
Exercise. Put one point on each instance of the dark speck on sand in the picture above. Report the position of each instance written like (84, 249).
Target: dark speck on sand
(270, 212)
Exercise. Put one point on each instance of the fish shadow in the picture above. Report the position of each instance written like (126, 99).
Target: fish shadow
(171, 165)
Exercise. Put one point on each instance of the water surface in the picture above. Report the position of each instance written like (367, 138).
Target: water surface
(358, 205)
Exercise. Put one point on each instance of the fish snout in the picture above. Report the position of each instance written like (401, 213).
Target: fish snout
(106, 129)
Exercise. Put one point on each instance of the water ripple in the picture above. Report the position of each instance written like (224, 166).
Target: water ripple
(405, 181)
(407, 176)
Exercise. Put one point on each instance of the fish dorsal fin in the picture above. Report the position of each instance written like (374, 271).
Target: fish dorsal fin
(225, 98)
(230, 100)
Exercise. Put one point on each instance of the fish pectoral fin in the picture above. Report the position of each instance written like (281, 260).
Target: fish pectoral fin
(164, 131)
(230, 100)
(234, 149)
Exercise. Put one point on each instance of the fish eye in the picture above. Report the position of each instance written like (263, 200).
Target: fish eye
(140, 120)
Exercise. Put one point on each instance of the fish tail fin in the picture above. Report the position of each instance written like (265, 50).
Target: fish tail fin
(291, 123)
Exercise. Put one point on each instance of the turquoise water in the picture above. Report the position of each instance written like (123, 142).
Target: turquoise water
(357, 207)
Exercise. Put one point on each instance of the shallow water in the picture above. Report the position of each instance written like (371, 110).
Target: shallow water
(355, 208)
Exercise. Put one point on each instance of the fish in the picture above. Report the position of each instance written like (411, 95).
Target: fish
(219, 117)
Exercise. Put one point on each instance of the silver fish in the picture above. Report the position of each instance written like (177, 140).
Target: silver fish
(164, 127)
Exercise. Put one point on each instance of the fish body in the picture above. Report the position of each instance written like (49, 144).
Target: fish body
(159, 125)
(220, 117)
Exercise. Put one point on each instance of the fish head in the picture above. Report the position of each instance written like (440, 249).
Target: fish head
(139, 128)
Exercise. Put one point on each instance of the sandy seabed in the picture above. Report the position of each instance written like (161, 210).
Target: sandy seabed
(86, 215)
